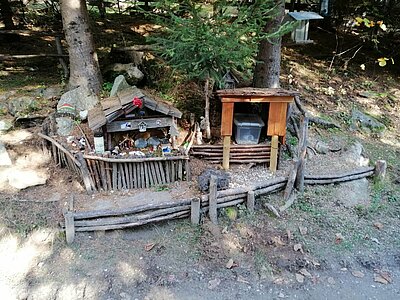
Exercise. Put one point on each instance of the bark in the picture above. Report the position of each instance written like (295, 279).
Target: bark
(84, 65)
(6, 14)
(268, 66)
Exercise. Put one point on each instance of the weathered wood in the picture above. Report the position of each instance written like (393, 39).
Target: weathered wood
(191, 140)
(103, 175)
(114, 176)
(268, 183)
(173, 175)
(142, 179)
(238, 147)
(168, 171)
(162, 172)
(109, 175)
(128, 176)
(380, 170)
(147, 174)
(250, 201)
(122, 175)
(273, 210)
(123, 219)
(195, 211)
(248, 91)
(291, 180)
(269, 189)
(26, 56)
(299, 183)
(177, 215)
(289, 202)
(341, 175)
(119, 177)
(274, 153)
(69, 227)
(187, 169)
(158, 173)
(59, 146)
(137, 160)
(337, 180)
(213, 214)
(87, 179)
(226, 151)
(180, 170)
(133, 124)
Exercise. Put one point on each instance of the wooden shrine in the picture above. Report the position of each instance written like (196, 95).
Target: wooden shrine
(278, 100)
(133, 111)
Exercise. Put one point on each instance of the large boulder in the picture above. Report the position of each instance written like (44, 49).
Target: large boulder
(21, 179)
(363, 121)
(21, 105)
(77, 100)
(130, 71)
(223, 179)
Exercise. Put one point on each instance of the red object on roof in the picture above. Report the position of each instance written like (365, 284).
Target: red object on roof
(137, 102)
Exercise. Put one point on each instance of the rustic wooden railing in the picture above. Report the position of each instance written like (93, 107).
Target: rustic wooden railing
(102, 173)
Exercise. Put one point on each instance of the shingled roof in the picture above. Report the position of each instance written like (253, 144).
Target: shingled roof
(111, 108)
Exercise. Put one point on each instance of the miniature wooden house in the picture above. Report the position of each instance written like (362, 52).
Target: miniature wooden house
(133, 118)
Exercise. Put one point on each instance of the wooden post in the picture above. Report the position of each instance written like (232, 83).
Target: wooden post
(87, 179)
(226, 152)
(195, 211)
(302, 154)
(274, 153)
(213, 214)
(69, 221)
(250, 201)
(380, 170)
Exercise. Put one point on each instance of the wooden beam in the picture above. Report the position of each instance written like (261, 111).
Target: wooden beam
(255, 99)
(274, 154)
(226, 150)
(227, 119)
(213, 213)
(277, 119)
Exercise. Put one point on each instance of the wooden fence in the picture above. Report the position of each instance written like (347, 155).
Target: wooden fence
(102, 173)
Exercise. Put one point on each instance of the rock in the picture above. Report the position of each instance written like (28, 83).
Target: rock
(6, 124)
(65, 125)
(3, 108)
(4, 157)
(78, 99)
(83, 114)
(363, 121)
(20, 179)
(119, 85)
(21, 105)
(223, 179)
(131, 73)
(321, 147)
(52, 92)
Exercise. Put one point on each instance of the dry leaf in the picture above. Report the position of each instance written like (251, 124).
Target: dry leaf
(240, 278)
(303, 230)
(304, 272)
(298, 247)
(212, 284)
(229, 264)
(149, 246)
(358, 274)
(378, 225)
(278, 241)
(338, 238)
(385, 275)
(299, 278)
(380, 279)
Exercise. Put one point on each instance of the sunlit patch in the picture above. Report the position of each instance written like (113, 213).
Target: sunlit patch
(130, 274)
(16, 136)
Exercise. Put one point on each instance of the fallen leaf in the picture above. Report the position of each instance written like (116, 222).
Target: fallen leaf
(304, 272)
(385, 275)
(378, 225)
(240, 278)
(298, 247)
(331, 280)
(149, 246)
(338, 238)
(212, 284)
(229, 264)
(357, 274)
(378, 278)
(303, 230)
(278, 241)
(299, 278)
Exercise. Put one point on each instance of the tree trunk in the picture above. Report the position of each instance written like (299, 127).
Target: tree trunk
(268, 66)
(84, 65)
(6, 14)
(207, 108)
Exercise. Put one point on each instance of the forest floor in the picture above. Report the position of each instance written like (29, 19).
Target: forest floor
(336, 242)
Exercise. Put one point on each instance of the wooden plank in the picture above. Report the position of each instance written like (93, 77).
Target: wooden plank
(133, 124)
(135, 172)
(195, 211)
(109, 175)
(187, 169)
(132, 175)
(150, 174)
(87, 179)
(277, 119)
(114, 177)
(274, 154)
(96, 118)
(126, 95)
(119, 160)
(142, 181)
(225, 157)
(180, 170)
(103, 174)
(213, 213)
(158, 173)
(162, 171)
(147, 174)
(227, 119)
(256, 92)
(168, 171)
(69, 227)
(250, 201)
(258, 99)
(119, 178)
(173, 176)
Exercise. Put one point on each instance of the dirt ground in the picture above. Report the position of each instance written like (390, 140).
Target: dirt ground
(336, 242)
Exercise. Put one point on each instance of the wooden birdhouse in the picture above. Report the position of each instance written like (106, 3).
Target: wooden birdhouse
(229, 80)
(300, 33)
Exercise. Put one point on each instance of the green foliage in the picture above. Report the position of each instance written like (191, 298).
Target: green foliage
(205, 44)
